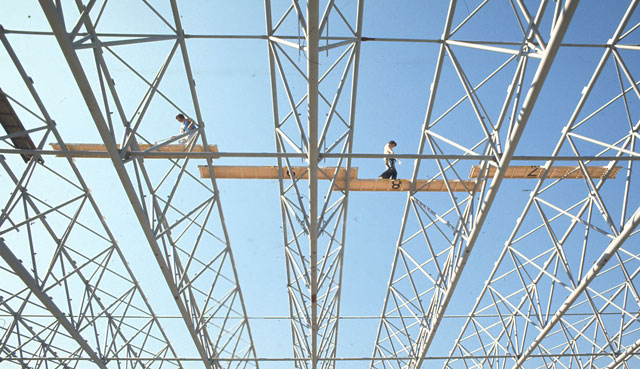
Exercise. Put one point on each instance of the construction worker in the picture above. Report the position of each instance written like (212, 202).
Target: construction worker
(390, 163)
(186, 126)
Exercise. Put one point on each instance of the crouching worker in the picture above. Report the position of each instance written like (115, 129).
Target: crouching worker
(390, 163)
(186, 126)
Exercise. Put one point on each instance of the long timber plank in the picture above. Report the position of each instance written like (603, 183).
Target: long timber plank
(436, 185)
(99, 151)
(271, 172)
(556, 172)
(327, 173)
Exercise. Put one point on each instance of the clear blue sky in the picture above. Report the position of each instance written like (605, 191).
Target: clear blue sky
(232, 79)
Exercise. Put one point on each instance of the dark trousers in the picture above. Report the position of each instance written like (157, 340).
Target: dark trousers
(391, 170)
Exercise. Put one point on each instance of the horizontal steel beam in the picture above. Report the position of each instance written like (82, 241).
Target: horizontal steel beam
(267, 155)
(287, 317)
(458, 357)
(162, 37)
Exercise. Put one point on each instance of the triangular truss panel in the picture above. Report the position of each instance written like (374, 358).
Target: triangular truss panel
(68, 290)
(563, 292)
(433, 247)
(516, 245)
(188, 238)
(314, 234)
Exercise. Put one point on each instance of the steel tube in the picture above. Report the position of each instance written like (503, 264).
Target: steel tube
(608, 253)
(512, 143)
(347, 358)
(626, 355)
(25, 276)
(94, 108)
(268, 155)
(312, 158)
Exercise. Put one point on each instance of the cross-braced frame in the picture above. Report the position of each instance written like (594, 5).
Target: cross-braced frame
(561, 289)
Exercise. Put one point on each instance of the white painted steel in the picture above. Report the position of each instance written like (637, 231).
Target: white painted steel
(551, 305)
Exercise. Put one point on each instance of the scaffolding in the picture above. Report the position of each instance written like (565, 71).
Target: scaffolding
(517, 242)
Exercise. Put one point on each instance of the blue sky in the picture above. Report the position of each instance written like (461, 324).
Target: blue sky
(232, 81)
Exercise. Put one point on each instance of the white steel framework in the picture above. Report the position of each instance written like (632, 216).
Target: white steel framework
(563, 292)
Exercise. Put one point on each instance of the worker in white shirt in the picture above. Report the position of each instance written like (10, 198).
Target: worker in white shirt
(390, 163)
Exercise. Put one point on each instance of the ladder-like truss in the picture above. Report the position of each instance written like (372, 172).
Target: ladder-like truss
(563, 292)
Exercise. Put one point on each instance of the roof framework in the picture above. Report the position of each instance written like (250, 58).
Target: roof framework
(563, 292)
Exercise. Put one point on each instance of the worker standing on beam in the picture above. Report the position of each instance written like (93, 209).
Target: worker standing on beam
(390, 163)
(187, 126)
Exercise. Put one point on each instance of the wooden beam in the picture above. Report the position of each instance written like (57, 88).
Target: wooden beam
(271, 172)
(99, 150)
(436, 185)
(534, 171)
(327, 173)
(12, 125)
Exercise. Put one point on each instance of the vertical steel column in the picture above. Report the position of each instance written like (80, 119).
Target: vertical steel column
(279, 147)
(352, 118)
(312, 158)
(314, 301)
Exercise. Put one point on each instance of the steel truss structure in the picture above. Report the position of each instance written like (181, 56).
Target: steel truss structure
(562, 293)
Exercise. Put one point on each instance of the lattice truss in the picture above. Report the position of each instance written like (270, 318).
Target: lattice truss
(66, 286)
(566, 281)
(186, 233)
(314, 228)
(563, 292)
(531, 284)
(439, 231)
